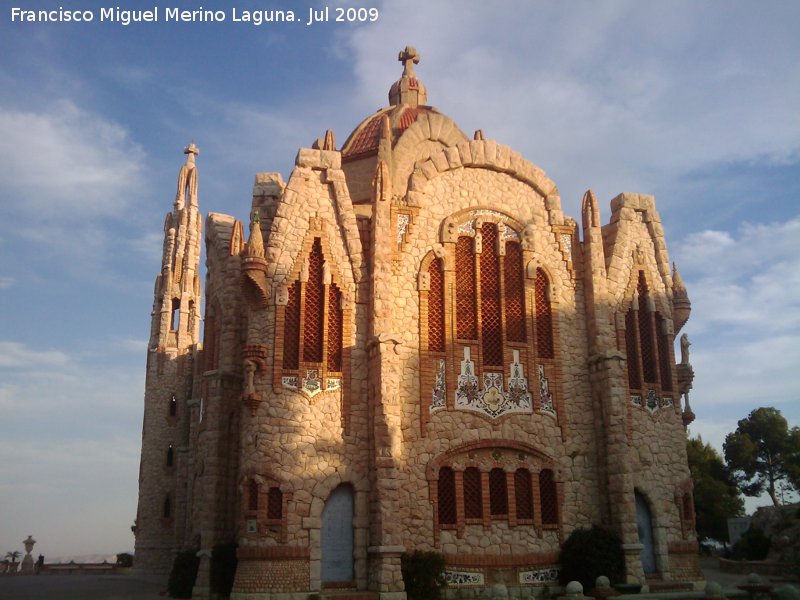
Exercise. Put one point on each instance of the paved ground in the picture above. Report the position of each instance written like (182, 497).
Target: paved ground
(80, 587)
(129, 586)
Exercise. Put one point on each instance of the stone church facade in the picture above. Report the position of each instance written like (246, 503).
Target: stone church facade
(409, 346)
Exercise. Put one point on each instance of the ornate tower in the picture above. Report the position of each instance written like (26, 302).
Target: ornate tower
(174, 336)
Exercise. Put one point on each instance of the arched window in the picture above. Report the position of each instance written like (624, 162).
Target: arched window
(173, 406)
(312, 327)
(473, 498)
(491, 326)
(170, 456)
(175, 315)
(515, 293)
(466, 310)
(167, 508)
(447, 496)
(549, 497)
(523, 494)
(648, 347)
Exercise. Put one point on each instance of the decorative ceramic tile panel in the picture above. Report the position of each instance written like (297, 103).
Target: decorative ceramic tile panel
(539, 576)
(667, 401)
(311, 383)
(566, 241)
(290, 382)
(545, 397)
(492, 400)
(333, 383)
(439, 388)
(460, 578)
(651, 402)
(403, 221)
(636, 400)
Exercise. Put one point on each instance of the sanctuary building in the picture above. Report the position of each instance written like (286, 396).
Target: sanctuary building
(408, 346)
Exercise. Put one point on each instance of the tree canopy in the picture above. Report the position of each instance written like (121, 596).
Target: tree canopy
(764, 452)
(716, 495)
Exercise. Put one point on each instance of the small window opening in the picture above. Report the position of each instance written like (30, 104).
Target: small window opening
(274, 503)
(170, 455)
(252, 495)
(173, 406)
(167, 507)
(176, 310)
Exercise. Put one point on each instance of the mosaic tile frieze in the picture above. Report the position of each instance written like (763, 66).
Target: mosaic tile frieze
(461, 578)
(540, 576)
(545, 396)
(651, 402)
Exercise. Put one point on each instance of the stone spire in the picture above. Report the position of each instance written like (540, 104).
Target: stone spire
(408, 90)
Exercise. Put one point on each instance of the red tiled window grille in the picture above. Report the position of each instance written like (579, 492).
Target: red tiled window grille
(665, 370)
(466, 309)
(498, 493)
(291, 329)
(549, 497)
(491, 325)
(447, 496)
(334, 328)
(544, 316)
(274, 503)
(523, 491)
(313, 333)
(515, 293)
(632, 350)
(646, 341)
(436, 307)
(252, 495)
(473, 497)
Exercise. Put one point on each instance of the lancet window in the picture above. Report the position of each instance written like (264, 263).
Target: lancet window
(312, 329)
(648, 346)
(483, 304)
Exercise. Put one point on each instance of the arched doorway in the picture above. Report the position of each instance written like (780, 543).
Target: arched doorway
(644, 523)
(336, 537)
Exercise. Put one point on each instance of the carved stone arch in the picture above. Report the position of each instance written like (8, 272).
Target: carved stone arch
(546, 460)
(555, 281)
(449, 228)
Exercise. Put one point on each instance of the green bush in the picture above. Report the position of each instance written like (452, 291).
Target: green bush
(589, 553)
(124, 559)
(423, 575)
(753, 545)
(223, 568)
(183, 574)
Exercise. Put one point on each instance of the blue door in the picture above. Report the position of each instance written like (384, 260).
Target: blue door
(337, 536)
(644, 524)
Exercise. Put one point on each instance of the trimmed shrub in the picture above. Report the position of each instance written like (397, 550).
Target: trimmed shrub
(183, 574)
(124, 559)
(423, 575)
(223, 568)
(753, 545)
(589, 553)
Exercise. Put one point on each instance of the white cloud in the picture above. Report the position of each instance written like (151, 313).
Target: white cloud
(6, 282)
(18, 356)
(66, 163)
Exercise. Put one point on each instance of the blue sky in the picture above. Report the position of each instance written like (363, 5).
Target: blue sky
(694, 102)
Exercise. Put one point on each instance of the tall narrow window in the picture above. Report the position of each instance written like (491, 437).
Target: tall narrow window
(313, 326)
(549, 497)
(436, 307)
(291, 329)
(473, 498)
(664, 359)
(334, 328)
(466, 308)
(167, 509)
(252, 495)
(647, 343)
(491, 325)
(498, 493)
(632, 348)
(274, 503)
(544, 316)
(173, 406)
(175, 316)
(447, 496)
(170, 456)
(515, 293)
(523, 492)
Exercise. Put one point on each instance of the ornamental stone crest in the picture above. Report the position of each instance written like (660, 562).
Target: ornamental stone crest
(492, 398)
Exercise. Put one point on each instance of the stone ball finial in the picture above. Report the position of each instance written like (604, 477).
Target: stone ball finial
(574, 588)
(714, 590)
(602, 582)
